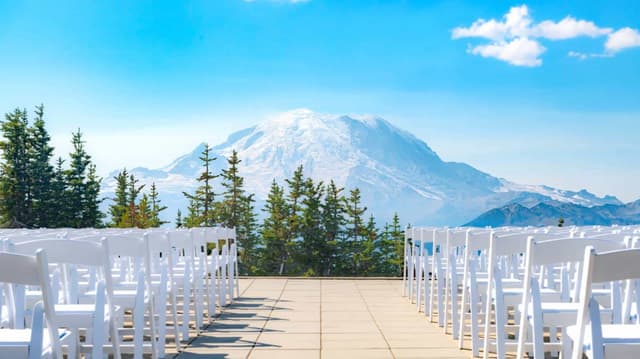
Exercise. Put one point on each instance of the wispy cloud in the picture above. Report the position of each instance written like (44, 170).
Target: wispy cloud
(516, 38)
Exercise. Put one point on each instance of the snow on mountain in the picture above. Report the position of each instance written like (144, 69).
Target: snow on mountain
(394, 170)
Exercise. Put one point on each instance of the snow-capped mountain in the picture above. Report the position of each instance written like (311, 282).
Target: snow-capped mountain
(395, 171)
(549, 213)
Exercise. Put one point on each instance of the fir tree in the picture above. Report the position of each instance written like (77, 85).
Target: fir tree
(41, 172)
(296, 187)
(59, 217)
(156, 207)
(354, 232)
(275, 251)
(246, 231)
(367, 256)
(333, 220)
(204, 196)
(120, 204)
(179, 222)
(133, 191)
(313, 246)
(92, 216)
(14, 177)
(82, 187)
(143, 215)
(397, 236)
(193, 218)
(232, 183)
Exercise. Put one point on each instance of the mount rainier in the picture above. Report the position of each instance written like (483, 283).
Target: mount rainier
(395, 171)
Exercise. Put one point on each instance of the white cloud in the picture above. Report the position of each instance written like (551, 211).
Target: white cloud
(515, 38)
(568, 28)
(622, 39)
(520, 51)
(515, 23)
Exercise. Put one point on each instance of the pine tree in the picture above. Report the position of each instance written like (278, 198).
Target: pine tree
(83, 187)
(179, 222)
(333, 219)
(354, 232)
(296, 187)
(143, 215)
(246, 230)
(92, 216)
(193, 218)
(14, 177)
(120, 202)
(233, 192)
(133, 191)
(236, 210)
(312, 251)
(275, 251)
(397, 236)
(386, 252)
(204, 196)
(41, 172)
(367, 256)
(59, 217)
(156, 207)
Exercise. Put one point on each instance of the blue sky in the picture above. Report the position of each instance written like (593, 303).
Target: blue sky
(545, 93)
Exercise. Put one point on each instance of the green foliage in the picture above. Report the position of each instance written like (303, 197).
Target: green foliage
(203, 212)
(34, 193)
(275, 250)
(179, 222)
(127, 211)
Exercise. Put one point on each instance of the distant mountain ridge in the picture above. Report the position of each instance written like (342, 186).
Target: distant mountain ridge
(545, 214)
(395, 171)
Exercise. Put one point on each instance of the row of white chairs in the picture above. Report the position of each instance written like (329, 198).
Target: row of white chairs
(91, 293)
(503, 290)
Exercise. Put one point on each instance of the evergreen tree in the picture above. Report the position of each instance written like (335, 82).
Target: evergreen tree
(313, 246)
(179, 222)
(246, 232)
(366, 257)
(41, 172)
(275, 251)
(354, 232)
(296, 187)
(193, 218)
(156, 207)
(397, 236)
(60, 214)
(92, 216)
(237, 211)
(120, 204)
(82, 187)
(204, 196)
(232, 183)
(133, 191)
(14, 177)
(333, 219)
(144, 213)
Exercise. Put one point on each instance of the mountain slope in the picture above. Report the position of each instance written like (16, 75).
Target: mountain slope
(544, 214)
(394, 170)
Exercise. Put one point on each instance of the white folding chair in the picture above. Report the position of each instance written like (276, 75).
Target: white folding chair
(590, 337)
(17, 271)
(540, 314)
(98, 317)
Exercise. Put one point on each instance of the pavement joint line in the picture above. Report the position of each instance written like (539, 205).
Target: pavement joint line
(374, 319)
(216, 316)
(321, 318)
(269, 318)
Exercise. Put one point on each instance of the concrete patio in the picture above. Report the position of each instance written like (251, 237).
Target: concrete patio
(314, 318)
